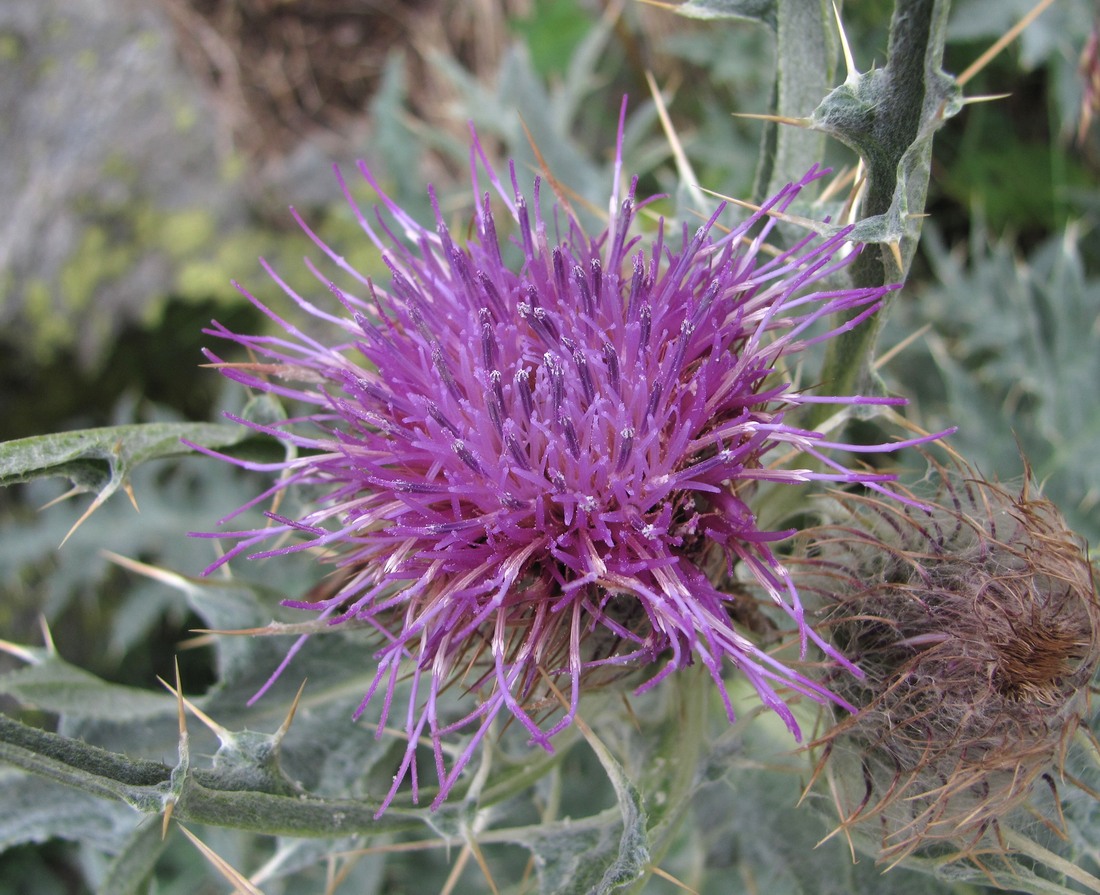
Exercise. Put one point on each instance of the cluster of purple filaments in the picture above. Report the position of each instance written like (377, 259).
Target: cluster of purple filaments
(507, 453)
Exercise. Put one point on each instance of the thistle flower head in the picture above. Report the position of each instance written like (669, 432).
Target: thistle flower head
(532, 450)
(977, 627)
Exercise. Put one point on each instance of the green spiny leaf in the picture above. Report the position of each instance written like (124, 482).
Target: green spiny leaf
(101, 459)
(51, 684)
(37, 809)
(1014, 355)
(129, 872)
(574, 857)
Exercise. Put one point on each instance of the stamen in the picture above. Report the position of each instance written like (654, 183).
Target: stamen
(445, 373)
(560, 281)
(516, 450)
(611, 359)
(646, 317)
(436, 414)
(626, 444)
(582, 286)
(490, 291)
(570, 436)
(488, 340)
(585, 376)
(654, 400)
(637, 287)
(464, 454)
(522, 385)
(597, 282)
(557, 379)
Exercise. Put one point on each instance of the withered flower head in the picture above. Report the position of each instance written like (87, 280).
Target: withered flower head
(978, 628)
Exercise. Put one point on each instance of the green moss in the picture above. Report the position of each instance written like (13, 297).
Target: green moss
(87, 60)
(184, 233)
(203, 262)
(184, 117)
(201, 279)
(116, 166)
(49, 329)
(209, 273)
(97, 260)
(48, 67)
(11, 47)
(149, 40)
(233, 167)
(37, 301)
(58, 27)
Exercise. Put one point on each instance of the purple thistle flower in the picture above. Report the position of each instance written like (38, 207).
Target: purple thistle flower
(516, 461)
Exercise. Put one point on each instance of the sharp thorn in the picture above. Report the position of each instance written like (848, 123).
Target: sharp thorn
(1003, 41)
(778, 119)
(169, 808)
(220, 732)
(895, 251)
(798, 220)
(182, 715)
(985, 98)
(47, 635)
(849, 61)
(285, 726)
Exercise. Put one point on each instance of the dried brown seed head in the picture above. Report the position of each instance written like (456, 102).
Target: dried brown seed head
(978, 628)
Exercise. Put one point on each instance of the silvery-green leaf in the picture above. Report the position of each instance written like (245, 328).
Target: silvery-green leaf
(36, 809)
(578, 857)
(51, 684)
(805, 62)
(102, 459)
(1014, 357)
(129, 871)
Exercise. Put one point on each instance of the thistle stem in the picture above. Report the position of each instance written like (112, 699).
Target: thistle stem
(899, 108)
